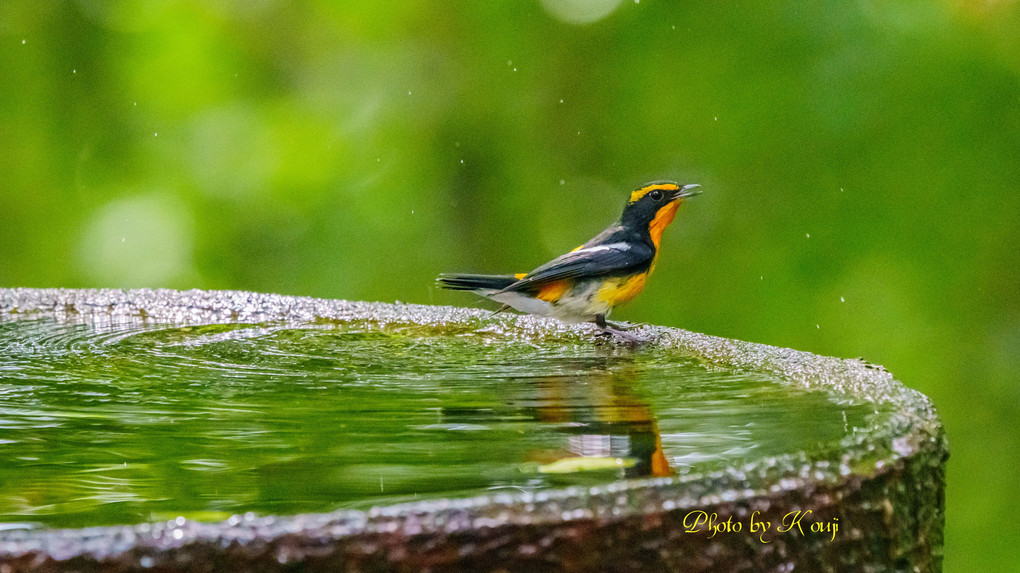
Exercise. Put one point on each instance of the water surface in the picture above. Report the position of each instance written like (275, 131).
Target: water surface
(132, 420)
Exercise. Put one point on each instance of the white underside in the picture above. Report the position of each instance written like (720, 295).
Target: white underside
(578, 305)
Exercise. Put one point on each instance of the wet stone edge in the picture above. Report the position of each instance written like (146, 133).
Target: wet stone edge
(912, 439)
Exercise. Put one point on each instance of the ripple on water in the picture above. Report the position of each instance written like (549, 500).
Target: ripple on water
(121, 420)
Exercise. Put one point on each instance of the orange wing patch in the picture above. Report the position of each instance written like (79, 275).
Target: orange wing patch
(551, 292)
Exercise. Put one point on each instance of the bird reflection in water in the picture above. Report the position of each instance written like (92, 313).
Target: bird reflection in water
(605, 426)
(606, 423)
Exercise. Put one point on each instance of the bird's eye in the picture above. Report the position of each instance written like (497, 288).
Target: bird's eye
(656, 195)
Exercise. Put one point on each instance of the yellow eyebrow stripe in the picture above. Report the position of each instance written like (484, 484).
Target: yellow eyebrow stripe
(644, 190)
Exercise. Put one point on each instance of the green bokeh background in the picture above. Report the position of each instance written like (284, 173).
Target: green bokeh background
(860, 162)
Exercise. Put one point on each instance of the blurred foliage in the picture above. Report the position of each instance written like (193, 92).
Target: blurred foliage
(860, 161)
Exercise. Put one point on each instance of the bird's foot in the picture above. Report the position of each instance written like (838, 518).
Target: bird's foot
(624, 336)
(610, 330)
(624, 327)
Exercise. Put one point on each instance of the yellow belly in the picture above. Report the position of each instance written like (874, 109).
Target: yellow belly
(579, 301)
(620, 290)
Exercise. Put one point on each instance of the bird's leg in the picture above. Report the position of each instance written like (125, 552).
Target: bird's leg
(502, 308)
(610, 329)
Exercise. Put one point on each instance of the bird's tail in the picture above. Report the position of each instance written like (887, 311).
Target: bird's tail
(454, 281)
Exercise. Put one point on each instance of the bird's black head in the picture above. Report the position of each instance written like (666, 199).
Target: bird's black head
(652, 207)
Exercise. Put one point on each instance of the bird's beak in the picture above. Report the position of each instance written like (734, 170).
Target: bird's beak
(686, 191)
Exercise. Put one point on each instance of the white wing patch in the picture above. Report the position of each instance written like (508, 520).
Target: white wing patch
(609, 247)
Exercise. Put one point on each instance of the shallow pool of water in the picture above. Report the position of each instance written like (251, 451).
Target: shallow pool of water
(133, 420)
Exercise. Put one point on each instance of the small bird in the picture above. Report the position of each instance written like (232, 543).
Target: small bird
(585, 284)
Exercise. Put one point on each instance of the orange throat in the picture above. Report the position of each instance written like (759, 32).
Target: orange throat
(662, 220)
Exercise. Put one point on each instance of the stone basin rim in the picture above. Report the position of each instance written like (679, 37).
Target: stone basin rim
(913, 429)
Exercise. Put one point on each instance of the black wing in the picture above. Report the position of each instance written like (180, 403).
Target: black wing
(607, 259)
